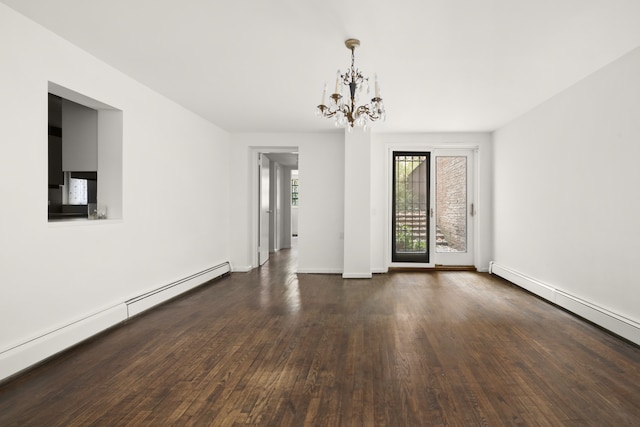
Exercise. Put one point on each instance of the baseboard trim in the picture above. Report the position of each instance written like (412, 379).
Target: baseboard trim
(607, 319)
(157, 296)
(22, 356)
(357, 275)
(530, 284)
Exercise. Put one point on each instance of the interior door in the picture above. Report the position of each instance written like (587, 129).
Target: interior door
(453, 207)
(264, 216)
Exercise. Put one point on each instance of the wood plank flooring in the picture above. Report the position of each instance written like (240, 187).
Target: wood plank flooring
(271, 348)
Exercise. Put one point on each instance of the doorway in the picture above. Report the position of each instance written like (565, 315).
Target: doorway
(432, 208)
(272, 201)
(265, 231)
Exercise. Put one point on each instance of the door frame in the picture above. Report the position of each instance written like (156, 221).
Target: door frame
(432, 148)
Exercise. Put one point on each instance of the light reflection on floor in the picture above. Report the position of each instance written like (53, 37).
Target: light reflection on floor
(287, 258)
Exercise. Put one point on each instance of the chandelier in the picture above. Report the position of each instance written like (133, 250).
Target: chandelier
(347, 112)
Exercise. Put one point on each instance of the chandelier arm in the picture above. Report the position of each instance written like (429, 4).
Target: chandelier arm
(371, 113)
(366, 111)
(326, 111)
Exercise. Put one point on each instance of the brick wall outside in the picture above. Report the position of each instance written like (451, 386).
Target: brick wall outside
(451, 200)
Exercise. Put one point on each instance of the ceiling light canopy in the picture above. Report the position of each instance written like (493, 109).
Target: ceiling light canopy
(346, 111)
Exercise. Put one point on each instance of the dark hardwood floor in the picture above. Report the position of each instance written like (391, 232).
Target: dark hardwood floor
(403, 349)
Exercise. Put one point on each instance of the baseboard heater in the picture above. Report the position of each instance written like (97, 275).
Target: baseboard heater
(164, 293)
(19, 357)
(614, 322)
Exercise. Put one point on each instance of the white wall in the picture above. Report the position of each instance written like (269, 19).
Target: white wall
(566, 197)
(321, 174)
(381, 199)
(175, 216)
(357, 205)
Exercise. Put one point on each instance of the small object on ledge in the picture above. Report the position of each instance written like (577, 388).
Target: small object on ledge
(92, 211)
(102, 212)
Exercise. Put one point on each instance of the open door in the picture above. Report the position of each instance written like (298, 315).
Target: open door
(264, 217)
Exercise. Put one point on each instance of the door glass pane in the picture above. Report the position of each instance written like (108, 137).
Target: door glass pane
(411, 196)
(451, 204)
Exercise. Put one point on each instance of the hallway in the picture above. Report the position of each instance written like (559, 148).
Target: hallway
(270, 347)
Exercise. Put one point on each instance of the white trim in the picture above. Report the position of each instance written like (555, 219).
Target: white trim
(412, 265)
(532, 285)
(357, 275)
(18, 357)
(607, 319)
(477, 178)
(241, 269)
(30, 352)
(157, 296)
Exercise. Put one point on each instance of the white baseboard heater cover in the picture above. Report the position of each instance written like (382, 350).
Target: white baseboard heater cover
(154, 297)
(21, 356)
(607, 319)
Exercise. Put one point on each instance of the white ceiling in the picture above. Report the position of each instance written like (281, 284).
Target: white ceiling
(259, 66)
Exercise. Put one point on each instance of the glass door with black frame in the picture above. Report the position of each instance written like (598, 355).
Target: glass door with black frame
(411, 206)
